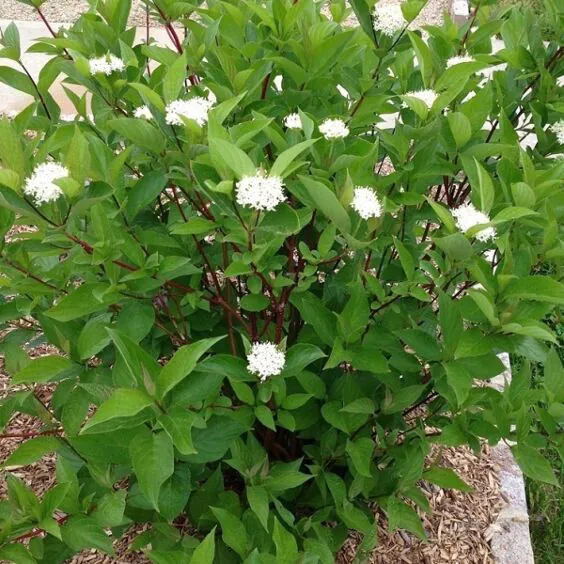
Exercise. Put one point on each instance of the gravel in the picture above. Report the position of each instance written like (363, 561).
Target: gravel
(69, 10)
(60, 11)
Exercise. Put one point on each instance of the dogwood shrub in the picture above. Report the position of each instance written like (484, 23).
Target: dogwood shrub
(275, 261)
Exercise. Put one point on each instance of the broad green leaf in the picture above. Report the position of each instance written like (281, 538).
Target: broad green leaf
(205, 551)
(42, 369)
(182, 363)
(533, 464)
(152, 457)
(174, 79)
(109, 510)
(82, 532)
(327, 202)
(140, 132)
(86, 299)
(178, 424)
(282, 163)
(32, 450)
(258, 502)
(314, 312)
(124, 403)
(460, 127)
(446, 478)
(144, 192)
(401, 516)
(554, 376)
(233, 157)
(285, 543)
(536, 288)
(360, 450)
(233, 531)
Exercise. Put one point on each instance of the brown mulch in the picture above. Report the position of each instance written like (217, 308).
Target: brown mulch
(457, 527)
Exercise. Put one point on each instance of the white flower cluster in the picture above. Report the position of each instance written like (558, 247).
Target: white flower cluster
(265, 360)
(40, 185)
(366, 203)
(558, 130)
(427, 96)
(143, 112)
(196, 108)
(459, 59)
(334, 129)
(388, 18)
(260, 192)
(293, 121)
(467, 216)
(106, 65)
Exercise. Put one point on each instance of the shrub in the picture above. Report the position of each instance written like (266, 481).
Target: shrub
(267, 300)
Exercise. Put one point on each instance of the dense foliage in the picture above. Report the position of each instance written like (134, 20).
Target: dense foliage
(276, 261)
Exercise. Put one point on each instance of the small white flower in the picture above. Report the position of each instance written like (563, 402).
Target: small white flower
(143, 112)
(260, 192)
(560, 81)
(366, 203)
(558, 130)
(196, 108)
(459, 59)
(265, 360)
(334, 129)
(467, 216)
(293, 121)
(428, 96)
(388, 18)
(106, 65)
(40, 185)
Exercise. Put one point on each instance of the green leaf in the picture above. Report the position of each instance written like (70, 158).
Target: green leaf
(460, 127)
(231, 156)
(360, 451)
(536, 288)
(205, 551)
(175, 492)
(258, 502)
(327, 202)
(285, 159)
(511, 213)
(213, 442)
(144, 192)
(124, 403)
(264, 415)
(314, 312)
(152, 458)
(174, 79)
(94, 336)
(401, 516)
(363, 16)
(78, 157)
(195, 226)
(32, 450)
(406, 259)
(17, 553)
(299, 356)
(81, 532)
(182, 363)
(11, 152)
(459, 379)
(450, 321)
(254, 302)
(285, 543)
(483, 191)
(403, 398)
(554, 376)
(533, 464)
(446, 478)
(360, 405)
(233, 531)
(42, 369)
(140, 132)
(110, 509)
(178, 425)
(84, 301)
(17, 80)
(424, 57)
(137, 367)
(455, 246)
(421, 342)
